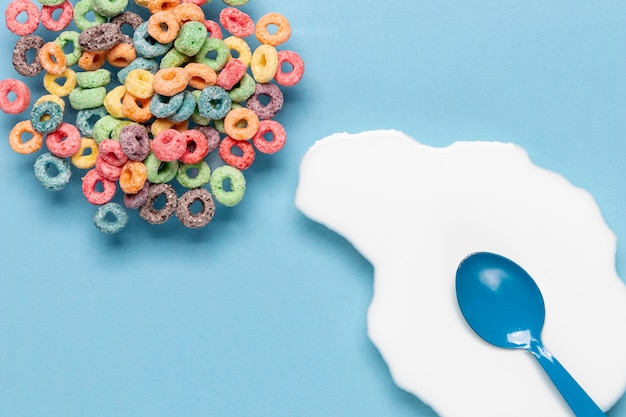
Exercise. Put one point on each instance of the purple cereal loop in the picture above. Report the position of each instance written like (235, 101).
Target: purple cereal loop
(272, 108)
(20, 62)
(135, 142)
(212, 136)
(100, 37)
(134, 201)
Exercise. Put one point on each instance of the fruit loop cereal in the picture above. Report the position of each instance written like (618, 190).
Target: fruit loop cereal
(138, 102)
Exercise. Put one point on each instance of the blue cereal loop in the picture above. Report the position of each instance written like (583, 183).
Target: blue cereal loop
(46, 117)
(110, 218)
(86, 119)
(163, 107)
(214, 103)
(186, 109)
(52, 172)
(146, 46)
(147, 64)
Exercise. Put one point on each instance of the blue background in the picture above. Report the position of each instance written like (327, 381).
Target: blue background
(262, 313)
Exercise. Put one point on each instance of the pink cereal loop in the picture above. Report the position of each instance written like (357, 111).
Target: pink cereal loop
(294, 76)
(65, 141)
(14, 9)
(237, 22)
(89, 184)
(213, 28)
(67, 14)
(22, 96)
(169, 145)
(273, 146)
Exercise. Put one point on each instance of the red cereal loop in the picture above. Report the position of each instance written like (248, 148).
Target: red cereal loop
(242, 162)
(231, 74)
(269, 146)
(106, 170)
(111, 151)
(197, 147)
(65, 141)
(237, 22)
(169, 145)
(214, 29)
(65, 18)
(32, 20)
(292, 77)
(22, 96)
(90, 188)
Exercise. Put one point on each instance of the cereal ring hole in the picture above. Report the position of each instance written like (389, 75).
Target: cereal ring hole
(236, 150)
(286, 67)
(22, 17)
(159, 202)
(56, 14)
(31, 55)
(196, 207)
(51, 169)
(192, 172)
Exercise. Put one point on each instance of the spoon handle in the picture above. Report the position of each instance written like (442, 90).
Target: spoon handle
(581, 404)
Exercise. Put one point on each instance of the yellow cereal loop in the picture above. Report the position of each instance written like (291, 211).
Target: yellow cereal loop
(113, 102)
(241, 48)
(160, 125)
(86, 156)
(63, 90)
(51, 97)
(264, 63)
(139, 83)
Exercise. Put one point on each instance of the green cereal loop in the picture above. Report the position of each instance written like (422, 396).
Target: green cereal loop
(237, 185)
(87, 98)
(50, 2)
(196, 117)
(109, 8)
(115, 133)
(160, 172)
(103, 128)
(110, 218)
(173, 58)
(219, 124)
(81, 10)
(93, 79)
(201, 178)
(243, 90)
(217, 45)
(191, 38)
(63, 39)
(235, 3)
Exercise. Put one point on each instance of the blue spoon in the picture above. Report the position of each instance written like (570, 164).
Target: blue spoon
(504, 306)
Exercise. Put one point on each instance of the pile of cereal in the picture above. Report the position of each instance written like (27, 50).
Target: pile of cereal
(149, 107)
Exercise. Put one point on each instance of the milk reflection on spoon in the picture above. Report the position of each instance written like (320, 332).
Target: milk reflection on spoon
(504, 306)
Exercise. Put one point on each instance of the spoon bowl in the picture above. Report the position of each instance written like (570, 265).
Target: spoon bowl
(503, 305)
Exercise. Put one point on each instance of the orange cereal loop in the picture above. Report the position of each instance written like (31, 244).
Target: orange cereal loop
(52, 58)
(28, 146)
(133, 177)
(201, 76)
(241, 124)
(159, 125)
(282, 34)
(92, 60)
(155, 6)
(171, 81)
(136, 109)
(188, 12)
(163, 27)
(86, 156)
(121, 55)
